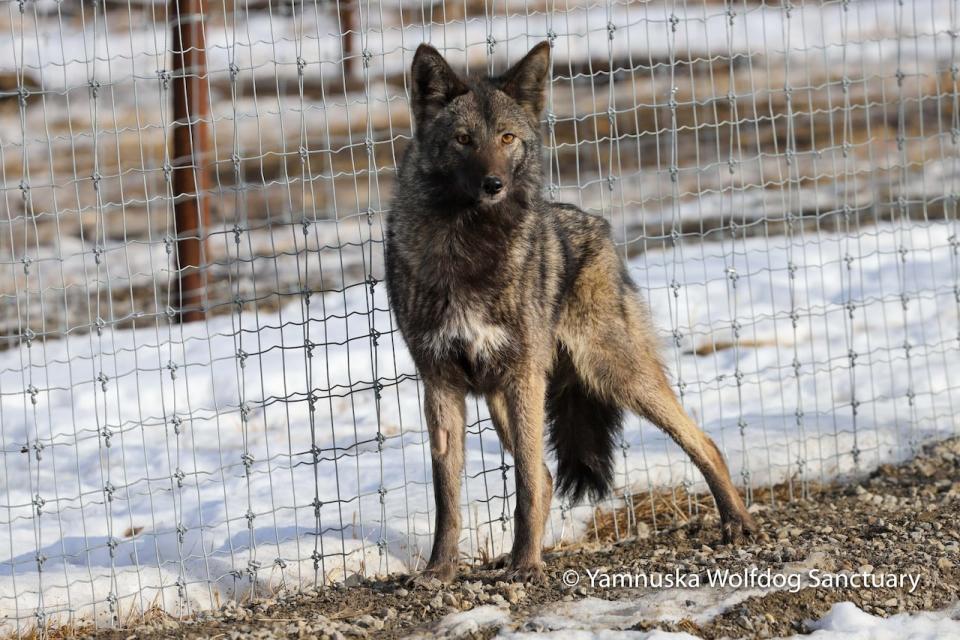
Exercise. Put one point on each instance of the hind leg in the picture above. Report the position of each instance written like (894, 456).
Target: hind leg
(653, 398)
(499, 415)
(614, 350)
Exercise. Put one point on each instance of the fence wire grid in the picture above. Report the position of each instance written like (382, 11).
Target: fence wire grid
(781, 176)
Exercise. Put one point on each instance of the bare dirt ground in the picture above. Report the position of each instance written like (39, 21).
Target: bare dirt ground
(898, 520)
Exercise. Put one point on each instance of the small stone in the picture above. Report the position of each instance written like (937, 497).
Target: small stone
(498, 600)
(401, 593)
(890, 602)
(944, 563)
(450, 600)
(387, 613)
(368, 622)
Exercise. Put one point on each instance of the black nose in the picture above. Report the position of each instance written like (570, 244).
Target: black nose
(492, 185)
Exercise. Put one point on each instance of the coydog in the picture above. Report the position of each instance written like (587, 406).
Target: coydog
(500, 293)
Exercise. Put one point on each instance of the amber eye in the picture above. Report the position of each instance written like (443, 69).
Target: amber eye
(463, 138)
(507, 138)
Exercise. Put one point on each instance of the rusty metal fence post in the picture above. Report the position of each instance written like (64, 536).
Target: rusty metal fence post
(190, 151)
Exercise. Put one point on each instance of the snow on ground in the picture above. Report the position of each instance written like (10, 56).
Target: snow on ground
(844, 621)
(171, 466)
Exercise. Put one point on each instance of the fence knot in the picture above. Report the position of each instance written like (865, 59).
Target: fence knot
(37, 448)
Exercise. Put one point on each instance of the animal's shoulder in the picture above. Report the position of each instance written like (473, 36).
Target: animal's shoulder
(577, 227)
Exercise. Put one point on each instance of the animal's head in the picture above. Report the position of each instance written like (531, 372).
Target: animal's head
(482, 135)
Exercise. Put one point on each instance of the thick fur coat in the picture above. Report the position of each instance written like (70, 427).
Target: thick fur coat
(525, 302)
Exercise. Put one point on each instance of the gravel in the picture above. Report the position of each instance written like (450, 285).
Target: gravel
(898, 520)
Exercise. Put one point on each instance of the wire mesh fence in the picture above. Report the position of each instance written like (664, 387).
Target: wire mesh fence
(781, 177)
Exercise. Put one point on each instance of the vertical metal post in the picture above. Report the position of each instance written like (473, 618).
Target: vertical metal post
(346, 9)
(191, 141)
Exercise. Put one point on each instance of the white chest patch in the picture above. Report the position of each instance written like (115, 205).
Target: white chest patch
(480, 338)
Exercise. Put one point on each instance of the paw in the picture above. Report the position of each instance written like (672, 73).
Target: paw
(500, 562)
(738, 528)
(434, 575)
(528, 574)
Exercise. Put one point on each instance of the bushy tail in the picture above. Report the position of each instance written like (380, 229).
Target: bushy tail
(583, 430)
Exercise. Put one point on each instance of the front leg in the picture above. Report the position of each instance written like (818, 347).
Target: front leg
(525, 405)
(445, 410)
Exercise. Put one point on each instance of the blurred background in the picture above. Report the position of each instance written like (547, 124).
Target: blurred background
(676, 120)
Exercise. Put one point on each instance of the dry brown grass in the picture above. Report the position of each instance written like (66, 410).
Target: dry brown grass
(659, 508)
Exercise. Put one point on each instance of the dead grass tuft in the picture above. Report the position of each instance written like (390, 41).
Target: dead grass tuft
(662, 508)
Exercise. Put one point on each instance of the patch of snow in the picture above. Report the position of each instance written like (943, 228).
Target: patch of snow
(699, 605)
(845, 621)
(597, 634)
(463, 623)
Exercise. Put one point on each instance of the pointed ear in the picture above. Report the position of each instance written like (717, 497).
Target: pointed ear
(434, 83)
(525, 81)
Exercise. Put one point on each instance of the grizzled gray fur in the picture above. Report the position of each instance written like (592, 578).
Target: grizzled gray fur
(525, 302)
